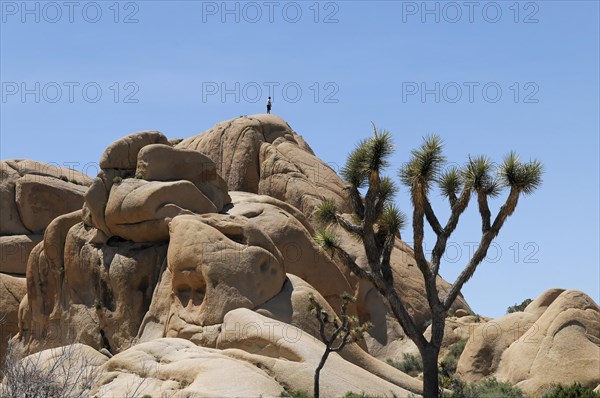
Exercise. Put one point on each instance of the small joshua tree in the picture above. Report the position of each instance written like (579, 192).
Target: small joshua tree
(377, 223)
(346, 330)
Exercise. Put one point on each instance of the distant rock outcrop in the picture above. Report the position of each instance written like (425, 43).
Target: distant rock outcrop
(555, 340)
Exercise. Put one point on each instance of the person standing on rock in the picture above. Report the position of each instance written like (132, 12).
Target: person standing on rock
(269, 105)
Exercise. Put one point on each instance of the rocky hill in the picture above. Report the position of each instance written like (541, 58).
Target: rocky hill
(185, 269)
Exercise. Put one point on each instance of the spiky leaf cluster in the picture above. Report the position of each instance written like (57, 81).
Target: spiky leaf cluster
(479, 175)
(326, 239)
(425, 164)
(450, 182)
(524, 177)
(369, 156)
(326, 211)
(392, 219)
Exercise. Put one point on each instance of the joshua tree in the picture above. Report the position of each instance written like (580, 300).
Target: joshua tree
(348, 331)
(377, 222)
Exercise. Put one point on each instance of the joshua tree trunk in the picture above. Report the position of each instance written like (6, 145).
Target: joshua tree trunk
(318, 372)
(430, 371)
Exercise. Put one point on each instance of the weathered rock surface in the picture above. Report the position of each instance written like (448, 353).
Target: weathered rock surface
(168, 182)
(293, 238)
(96, 294)
(14, 252)
(165, 163)
(33, 193)
(123, 153)
(191, 286)
(262, 154)
(218, 263)
(41, 199)
(263, 356)
(556, 339)
(12, 291)
(139, 210)
(562, 346)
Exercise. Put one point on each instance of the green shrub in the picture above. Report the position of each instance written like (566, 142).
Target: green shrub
(575, 390)
(296, 394)
(117, 180)
(64, 178)
(410, 364)
(519, 307)
(448, 364)
(488, 388)
(351, 394)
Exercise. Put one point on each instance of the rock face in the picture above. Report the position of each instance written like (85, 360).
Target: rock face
(555, 340)
(27, 186)
(263, 356)
(32, 194)
(167, 182)
(262, 154)
(192, 265)
(12, 291)
(14, 252)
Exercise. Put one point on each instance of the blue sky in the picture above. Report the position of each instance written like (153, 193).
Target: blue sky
(486, 76)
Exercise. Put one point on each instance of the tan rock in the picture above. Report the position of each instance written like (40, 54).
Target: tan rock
(301, 255)
(26, 166)
(164, 163)
(291, 306)
(177, 367)
(12, 291)
(40, 199)
(94, 207)
(291, 356)
(459, 313)
(122, 154)
(10, 220)
(218, 263)
(561, 347)
(139, 210)
(488, 341)
(298, 177)
(14, 252)
(262, 154)
(100, 295)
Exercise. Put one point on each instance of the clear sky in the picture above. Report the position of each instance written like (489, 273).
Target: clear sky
(486, 76)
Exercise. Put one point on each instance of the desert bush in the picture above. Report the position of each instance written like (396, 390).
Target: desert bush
(488, 388)
(575, 390)
(448, 364)
(68, 374)
(410, 364)
(296, 394)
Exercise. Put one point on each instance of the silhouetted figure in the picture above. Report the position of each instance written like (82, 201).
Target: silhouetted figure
(269, 105)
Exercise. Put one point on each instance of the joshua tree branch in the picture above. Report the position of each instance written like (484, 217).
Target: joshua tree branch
(457, 209)
(387, 290)
(357, 203)
(484, 211)
(432, 219)
(506, 210)
(348, 226)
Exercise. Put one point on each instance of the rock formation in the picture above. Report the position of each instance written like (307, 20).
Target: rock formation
(192, 264)
(556, 339)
